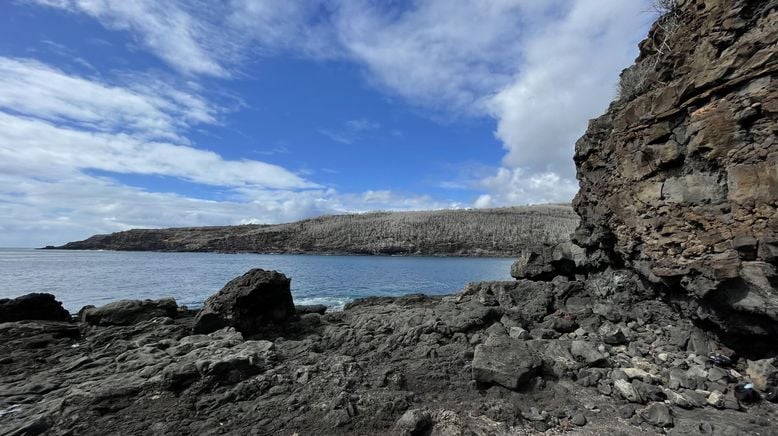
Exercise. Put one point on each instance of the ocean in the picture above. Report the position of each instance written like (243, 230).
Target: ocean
(79, 278)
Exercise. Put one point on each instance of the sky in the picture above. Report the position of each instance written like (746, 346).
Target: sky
(119, 114)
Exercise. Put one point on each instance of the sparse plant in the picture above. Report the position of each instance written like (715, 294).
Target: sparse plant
(664, 7)
(634, 80)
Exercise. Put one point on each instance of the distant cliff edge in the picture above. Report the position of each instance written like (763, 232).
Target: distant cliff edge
(474, 232)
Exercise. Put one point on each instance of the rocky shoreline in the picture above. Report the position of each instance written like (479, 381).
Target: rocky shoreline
(660, 320)
(518, 357)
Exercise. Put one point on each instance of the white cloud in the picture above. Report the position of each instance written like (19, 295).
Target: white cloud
(517, 186)
(50, 141)
(31, 145)
(152, 109)
(39, 211)
(351, 131)
(166, 27)
(568, 76)
(539, 68)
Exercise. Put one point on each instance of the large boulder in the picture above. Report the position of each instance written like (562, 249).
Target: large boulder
(249, 303)
(32, 307)
(505, 361)
(679, 179)
(548, 262)
(129, 312)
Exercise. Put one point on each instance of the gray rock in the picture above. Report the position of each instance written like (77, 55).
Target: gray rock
(129, 312)
(518, 333)
(626, 390)
(579, 419)
(587, 351)
(657, 415)
(249, 303)
(612, 334)
(507, 362)
(548, 262)
(414, 422)
(32, 307)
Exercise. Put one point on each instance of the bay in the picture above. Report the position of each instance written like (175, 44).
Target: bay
(79, 278)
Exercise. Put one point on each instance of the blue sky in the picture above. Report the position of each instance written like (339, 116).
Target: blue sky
(117, 114)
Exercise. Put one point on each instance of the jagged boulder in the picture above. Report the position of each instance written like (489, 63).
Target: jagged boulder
(32, 307)
(679, 179)
(129, 312)
(548, 262)
(249, 303)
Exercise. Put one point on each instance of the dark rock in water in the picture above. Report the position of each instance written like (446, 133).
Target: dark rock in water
(32, 307)
(505, 361)
(248, 303)
(548, 262)
(311, 308)
(129, 312)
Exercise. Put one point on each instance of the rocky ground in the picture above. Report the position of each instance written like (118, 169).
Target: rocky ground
(512, 358)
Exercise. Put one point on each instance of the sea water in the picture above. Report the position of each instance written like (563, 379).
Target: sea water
(79, 278)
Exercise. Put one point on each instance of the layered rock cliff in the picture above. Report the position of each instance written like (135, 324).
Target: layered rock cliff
(679, 178)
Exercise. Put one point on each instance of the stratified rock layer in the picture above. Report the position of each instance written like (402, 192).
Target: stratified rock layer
(679, 179)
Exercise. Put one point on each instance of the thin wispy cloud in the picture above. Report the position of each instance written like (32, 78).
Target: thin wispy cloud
(351, 131)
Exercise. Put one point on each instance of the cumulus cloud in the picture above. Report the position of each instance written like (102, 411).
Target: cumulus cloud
(568, 76)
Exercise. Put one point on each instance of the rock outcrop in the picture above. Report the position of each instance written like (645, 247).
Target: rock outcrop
(32, 306)
(679, 179)
(128, 312)
(249, 303)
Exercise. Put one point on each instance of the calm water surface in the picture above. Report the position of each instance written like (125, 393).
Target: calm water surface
(79, 278)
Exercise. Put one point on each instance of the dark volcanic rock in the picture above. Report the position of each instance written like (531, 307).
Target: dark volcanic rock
(32, 306)
(248, 303)
(679, 179)
(506, 361)
(548, 262)
(128, 312)
(310, 308)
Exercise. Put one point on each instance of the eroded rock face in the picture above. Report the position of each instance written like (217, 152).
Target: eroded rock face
(31, 307)
(679, 181)
(248, 303)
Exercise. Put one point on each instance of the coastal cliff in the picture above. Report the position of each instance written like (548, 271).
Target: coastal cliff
(471, 232)
(679, 178)
(660, 321)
